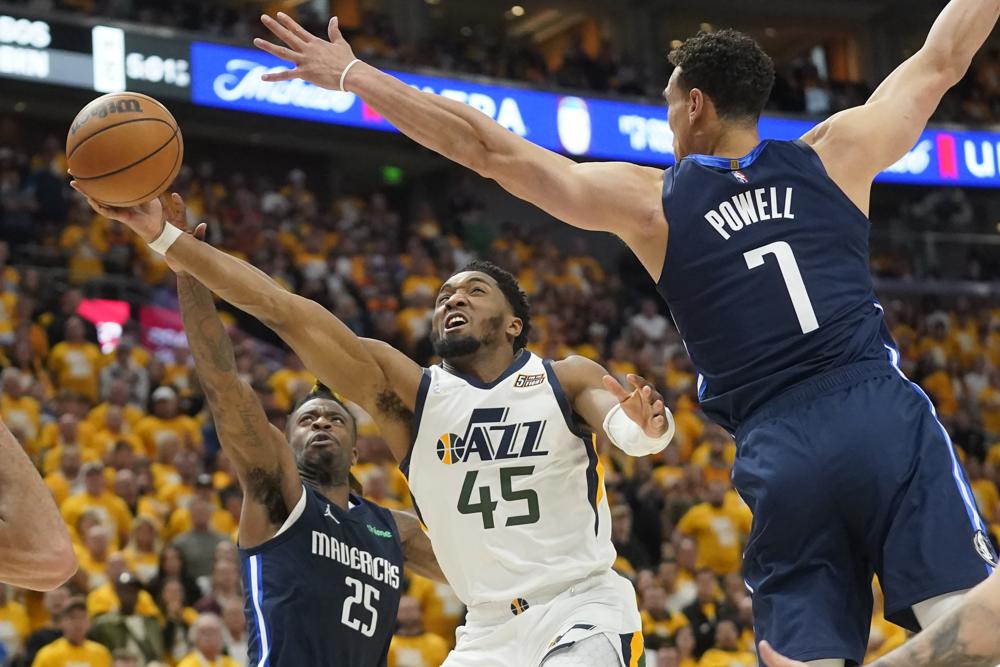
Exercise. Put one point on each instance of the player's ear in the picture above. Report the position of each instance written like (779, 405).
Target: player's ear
(514, 327)
(696, 104)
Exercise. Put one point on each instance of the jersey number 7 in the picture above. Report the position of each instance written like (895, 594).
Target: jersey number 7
(792, 277)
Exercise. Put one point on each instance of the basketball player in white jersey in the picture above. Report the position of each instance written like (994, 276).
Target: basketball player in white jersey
(495, 444)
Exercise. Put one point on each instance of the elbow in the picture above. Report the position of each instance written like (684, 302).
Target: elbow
(950, 62)
(56, 568)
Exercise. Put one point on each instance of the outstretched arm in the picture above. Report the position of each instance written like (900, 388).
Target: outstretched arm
(616, 197)
(259, 451)
(968, 636)
(857, 144)
(417, 547)
(35, 549)
(326, 345)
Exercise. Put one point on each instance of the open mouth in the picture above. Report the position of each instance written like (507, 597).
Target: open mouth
(454, 322)
(322, 440)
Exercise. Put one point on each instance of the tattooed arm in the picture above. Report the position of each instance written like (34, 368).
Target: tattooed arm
(417, 547)
(258, 450)
(968, 636)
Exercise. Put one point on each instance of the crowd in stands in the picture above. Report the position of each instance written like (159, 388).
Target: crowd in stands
(129, 452)
(800, 87)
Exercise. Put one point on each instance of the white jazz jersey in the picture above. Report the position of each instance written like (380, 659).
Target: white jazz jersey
(510, 490)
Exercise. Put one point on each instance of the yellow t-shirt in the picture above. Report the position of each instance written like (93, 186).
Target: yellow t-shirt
(96, 416)
(718, 533)
(986, 495)
(111, 509)
(151, 429)
(103, 599)
(61, 653)
(941, 388)
(426, 650)
(195, 659)
(715, 657)
(175, 495)
(8, 307)
(664, 627)
(989, 409)
(14, 623)
(703, 453)
(284, 383)
(442, 610)
(74, 367)
(180, 522)
(24, 416)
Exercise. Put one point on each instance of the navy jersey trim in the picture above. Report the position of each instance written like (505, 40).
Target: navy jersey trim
(418, 411)
(726, 162)
(519, 361)
(586, 437)
(286, 532)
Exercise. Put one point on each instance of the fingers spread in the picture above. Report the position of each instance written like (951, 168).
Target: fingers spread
(275, 50)
(283, 75)
(281, 32)
(294, 27)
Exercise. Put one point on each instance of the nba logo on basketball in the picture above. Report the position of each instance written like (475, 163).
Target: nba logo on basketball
(741, 177)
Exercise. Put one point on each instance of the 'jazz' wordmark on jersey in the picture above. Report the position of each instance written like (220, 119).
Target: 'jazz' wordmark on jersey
(488, 437)
(748, 207)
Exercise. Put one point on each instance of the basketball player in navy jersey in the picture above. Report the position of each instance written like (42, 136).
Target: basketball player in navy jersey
(766, 273)
(322, 567)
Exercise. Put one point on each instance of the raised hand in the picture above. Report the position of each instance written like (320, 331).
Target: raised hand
(146, 220)
(643, 405)
(317, 61)
(774, 659)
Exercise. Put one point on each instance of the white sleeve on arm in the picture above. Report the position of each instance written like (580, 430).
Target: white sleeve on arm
(629, 436)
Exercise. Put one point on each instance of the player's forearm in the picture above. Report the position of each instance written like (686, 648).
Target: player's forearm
(969, 636)
(35, 549)
(214, 360)
(959, 32)
(448, 127)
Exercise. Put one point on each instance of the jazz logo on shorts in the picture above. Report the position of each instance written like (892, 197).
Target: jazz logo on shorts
(488, 437)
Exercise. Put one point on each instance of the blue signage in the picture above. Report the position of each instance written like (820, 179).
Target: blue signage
(229, 77)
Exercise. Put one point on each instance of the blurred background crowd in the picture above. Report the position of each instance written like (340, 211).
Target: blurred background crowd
(97, 384)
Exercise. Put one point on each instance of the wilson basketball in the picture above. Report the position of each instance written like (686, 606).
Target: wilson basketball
(124, 149)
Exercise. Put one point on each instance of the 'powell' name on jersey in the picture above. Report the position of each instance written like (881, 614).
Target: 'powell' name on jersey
(748, 207)
(489, 438)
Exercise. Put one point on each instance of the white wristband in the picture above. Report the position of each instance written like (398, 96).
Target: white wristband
(166, 238)
(630, 438)
(343, 75)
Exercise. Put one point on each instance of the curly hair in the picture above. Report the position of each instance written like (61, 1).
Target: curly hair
(729, 67)
(515, 296)
(320, 390)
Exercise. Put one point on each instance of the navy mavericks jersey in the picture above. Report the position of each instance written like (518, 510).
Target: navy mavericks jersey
(766, 274)
(325, 589)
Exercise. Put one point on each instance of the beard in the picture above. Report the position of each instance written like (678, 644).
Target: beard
(452, 347)
(322, 468)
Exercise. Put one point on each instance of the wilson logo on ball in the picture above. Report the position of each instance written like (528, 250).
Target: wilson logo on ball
(104, 110)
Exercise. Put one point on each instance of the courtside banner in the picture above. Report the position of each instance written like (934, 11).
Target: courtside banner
(229, 77)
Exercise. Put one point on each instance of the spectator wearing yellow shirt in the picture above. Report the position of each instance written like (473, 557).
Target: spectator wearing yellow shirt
(166, 419)
(727, 652)
(74, 361)
(21, 413)
(142, 554)
(982, 484)
(104, 598)
(8, 316)
(66, 432)
(421, 277)
(620, 364)
(180, 492)
(113, 431)
(657, 620)
(93, 555)
(989, 405)
(117, 395)
(207, 638)
(290, 382)
(112, 510)
(719, 531)
(940, 385)
(221, 521)
(442, 611)
(412, 646)
(66, 480)
(14, 626)
(74, 649)
(717, 444)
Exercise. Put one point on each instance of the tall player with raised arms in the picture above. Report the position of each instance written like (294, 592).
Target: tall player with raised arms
(766, 273)
(504, 473)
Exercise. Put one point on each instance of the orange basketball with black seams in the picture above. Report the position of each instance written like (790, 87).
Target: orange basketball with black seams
(124, 149)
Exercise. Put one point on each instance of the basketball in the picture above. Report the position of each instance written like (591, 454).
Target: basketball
(124, 149)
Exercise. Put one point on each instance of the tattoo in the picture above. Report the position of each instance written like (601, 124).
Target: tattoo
(265, 489)
(966, 637)
(389, 404)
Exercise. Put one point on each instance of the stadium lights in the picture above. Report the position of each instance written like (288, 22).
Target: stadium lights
(517, 10)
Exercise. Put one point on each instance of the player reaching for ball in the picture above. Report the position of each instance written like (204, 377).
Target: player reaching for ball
(841, 458)
(493, 441)
(322, 567)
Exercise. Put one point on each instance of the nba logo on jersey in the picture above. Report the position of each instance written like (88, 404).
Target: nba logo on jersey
(741, 177)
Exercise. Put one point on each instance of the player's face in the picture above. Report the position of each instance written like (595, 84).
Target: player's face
(321, 434)
(677, 114)
(470, 313)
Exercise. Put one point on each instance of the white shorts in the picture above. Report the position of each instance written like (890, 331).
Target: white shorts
(494, 636)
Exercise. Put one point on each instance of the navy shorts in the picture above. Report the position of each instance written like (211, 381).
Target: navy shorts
(849, 474)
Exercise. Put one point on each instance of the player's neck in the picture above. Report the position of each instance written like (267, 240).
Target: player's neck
(336, 494)
(733, 141)
(485, 365)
